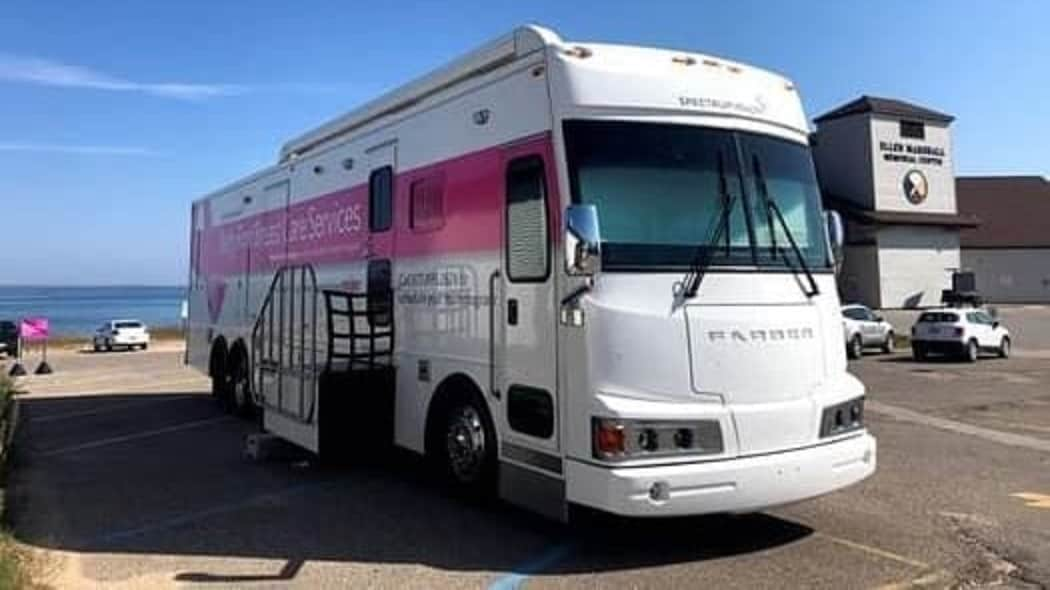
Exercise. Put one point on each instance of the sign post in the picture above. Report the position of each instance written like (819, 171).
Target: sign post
(17, 369)
(37, 330)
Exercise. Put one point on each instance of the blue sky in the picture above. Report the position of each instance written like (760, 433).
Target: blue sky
(115, 115)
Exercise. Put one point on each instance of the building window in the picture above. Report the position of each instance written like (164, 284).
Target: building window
(913, 130)
(527, 255)
(380, 201)
(427, 204)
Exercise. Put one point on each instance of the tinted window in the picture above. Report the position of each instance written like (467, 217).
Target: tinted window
(127, 325)
(527, 256)
(530, 411)
(427, 204)
(855, 313)
(913, 130)
(782, 172)
(660, 191)
(939, 317)
(380, 193)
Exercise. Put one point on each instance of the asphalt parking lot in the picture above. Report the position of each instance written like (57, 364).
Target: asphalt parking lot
(127, 475)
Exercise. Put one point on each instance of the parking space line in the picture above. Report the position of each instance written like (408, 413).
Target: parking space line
(1006, 438)
(130, 437)
(108, 409)
(929, 579)
(184, 519)
(873, 550)
(520, 573)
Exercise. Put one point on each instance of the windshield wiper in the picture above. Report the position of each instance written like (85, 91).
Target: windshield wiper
(705, 251)
(773, 211)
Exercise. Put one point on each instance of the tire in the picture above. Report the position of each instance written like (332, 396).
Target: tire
(971, 352)
(96, 346)
(855, 350)
(1004, 348)
(109, 345)
(919, 352)
(240, 388)
(888, 345)
(220, 390)
(145, 346)
(467, 447)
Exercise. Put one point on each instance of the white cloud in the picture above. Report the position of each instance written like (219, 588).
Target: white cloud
(33, 70)
(88, 150)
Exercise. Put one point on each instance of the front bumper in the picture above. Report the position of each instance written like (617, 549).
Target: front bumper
(731, 485)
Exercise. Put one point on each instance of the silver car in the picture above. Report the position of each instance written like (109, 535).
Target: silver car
(864, 329)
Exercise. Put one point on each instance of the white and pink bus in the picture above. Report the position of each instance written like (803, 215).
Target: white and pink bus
(568, 273)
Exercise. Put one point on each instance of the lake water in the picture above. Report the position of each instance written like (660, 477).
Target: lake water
(76, 311)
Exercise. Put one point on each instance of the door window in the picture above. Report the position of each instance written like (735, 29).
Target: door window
(380, 199)
(528, 257)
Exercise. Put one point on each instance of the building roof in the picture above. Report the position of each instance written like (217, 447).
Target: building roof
(1014, 211)
(869, 217)
(885, 106)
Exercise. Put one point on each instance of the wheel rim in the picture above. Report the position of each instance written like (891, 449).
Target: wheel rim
(858, 348)
(1006, 347)
(889, 342)
(465, 443)
(972, 351)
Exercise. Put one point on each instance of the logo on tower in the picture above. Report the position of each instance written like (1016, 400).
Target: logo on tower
(916, 188)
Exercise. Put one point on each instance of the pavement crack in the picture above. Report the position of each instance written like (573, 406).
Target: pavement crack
(991, 566)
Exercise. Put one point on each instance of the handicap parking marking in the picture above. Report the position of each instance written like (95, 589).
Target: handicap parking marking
(1033, 500)
(520, 573)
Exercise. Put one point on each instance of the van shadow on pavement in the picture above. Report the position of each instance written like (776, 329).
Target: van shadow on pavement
(163, 474)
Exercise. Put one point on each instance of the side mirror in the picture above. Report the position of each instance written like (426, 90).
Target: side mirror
(583, 250)
(878, 318)
(836, 234)
(995, 324)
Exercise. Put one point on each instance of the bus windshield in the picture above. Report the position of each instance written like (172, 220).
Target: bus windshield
(660, 189)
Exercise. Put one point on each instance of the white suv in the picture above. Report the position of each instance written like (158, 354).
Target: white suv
(862, 328)
(130, 334)
(965, 332)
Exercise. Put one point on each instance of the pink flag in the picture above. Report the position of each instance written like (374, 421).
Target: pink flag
(33, 329)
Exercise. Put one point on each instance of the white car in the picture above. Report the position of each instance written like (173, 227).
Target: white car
(130, 334)
(862, 329)
(963, 332)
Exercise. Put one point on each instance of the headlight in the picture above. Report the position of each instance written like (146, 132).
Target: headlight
(618, 440)
(842, 418)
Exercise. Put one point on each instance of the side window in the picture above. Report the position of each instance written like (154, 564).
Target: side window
(528, 259)
(380, 199)
(530, 411)
(427, 204)
(973, 318)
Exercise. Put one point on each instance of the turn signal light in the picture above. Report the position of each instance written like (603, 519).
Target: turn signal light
(609, 439)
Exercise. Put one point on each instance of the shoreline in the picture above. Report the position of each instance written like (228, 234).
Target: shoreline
(163, 334)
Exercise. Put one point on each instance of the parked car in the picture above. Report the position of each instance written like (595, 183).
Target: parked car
(863, 329)
(962, 332)
(130, 334)
(8, 338)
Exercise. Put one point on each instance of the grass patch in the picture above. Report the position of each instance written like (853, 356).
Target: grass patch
(16, 563)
